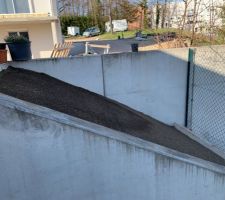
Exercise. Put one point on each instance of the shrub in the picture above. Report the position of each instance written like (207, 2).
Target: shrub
(16, 39)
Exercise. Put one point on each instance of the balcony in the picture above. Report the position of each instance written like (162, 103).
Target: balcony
(23, 18)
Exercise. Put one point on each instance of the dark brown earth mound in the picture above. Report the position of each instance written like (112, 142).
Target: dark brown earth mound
(49, 92)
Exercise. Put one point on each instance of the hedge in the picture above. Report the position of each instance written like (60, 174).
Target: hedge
(83, 22)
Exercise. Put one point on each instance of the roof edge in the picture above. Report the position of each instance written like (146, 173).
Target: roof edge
(40, 111)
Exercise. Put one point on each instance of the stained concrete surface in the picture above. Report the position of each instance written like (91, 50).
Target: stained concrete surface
(49, 92)
(153, 83)
(44, 159)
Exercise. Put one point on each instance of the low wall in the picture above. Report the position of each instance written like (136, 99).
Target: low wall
(151, 82)
(48, 155)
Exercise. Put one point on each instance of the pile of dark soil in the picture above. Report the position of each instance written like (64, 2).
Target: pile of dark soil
(49, 92)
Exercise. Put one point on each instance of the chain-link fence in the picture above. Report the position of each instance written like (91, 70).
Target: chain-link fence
(206, 109)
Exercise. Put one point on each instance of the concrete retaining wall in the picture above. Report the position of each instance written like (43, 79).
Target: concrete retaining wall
(85, 72)
(48, 155)
(151, 82)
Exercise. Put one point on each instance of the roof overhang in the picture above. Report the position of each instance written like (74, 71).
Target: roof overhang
(26, 18)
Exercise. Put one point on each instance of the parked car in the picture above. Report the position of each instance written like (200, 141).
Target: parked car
(93, 31)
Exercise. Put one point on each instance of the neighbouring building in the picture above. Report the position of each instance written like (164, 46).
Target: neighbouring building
(139, 21)
(34, 19)
(207, 15)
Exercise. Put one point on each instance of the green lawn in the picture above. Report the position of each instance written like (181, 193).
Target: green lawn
(131, 34)
(114, 36)
(126, 34)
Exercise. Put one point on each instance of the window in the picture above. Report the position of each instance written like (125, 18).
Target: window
(14, 6)
(13, 33)
(21, 6)
(6, 6)
(22, 33)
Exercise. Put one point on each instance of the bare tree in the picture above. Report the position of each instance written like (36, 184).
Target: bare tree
(158, 10)
(110, 15)
(164, 13)
(197, 4)
(62, 6)
(143, 4)
(184, 17)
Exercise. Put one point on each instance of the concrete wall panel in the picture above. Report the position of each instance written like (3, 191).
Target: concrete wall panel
(44, 159)
(85, 72)
(153, 83)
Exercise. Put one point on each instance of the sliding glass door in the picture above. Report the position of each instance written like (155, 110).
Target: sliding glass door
(6, 7)
(14, 6)
(21, 6)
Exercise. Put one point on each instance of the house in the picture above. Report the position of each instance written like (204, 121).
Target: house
(34, 19)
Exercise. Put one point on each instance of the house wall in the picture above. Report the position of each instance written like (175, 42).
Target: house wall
(56, 32)
(47, 155)
(40, 36)
(42, 6)
(151, 82)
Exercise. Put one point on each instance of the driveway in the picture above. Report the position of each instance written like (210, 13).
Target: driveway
(117, 46)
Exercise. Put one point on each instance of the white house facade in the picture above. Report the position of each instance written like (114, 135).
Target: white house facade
(207, 15)
(34, 19)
